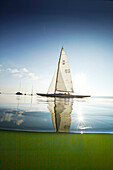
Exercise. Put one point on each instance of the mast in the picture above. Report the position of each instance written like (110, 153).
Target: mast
(32, 90)
(58, 71)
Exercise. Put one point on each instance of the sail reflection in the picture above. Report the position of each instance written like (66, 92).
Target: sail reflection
(61, 109)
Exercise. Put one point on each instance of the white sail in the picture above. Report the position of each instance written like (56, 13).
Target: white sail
(64, 81)
(61, 80)
(51, 89)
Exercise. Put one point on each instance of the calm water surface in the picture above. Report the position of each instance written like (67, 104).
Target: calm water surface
(35, 113)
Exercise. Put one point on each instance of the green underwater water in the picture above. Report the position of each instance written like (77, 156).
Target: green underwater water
(28, 150)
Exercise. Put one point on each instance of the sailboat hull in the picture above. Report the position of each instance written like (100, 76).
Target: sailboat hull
(62, 95)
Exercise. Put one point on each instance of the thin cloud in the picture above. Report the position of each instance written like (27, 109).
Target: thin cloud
(22, 73)
(25, 70)
(0, 68)
(18, 75)
(13, 70)
(32, 76)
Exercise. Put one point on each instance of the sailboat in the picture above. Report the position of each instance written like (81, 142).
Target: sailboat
(61, 84)
(19, 93)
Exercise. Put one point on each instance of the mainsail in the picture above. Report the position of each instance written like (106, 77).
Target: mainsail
(61, 81)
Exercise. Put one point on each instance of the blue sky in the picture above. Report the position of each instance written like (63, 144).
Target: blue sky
(31, 37)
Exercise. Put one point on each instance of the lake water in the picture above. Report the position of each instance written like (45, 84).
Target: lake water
(41, 114)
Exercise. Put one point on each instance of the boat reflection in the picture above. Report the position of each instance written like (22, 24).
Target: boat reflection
(61, 109)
